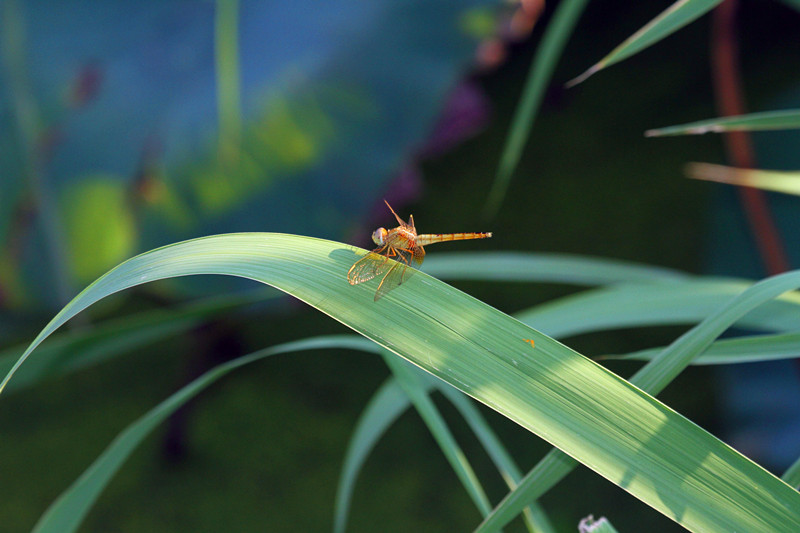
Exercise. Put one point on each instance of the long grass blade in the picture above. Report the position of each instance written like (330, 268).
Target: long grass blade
(768, 120)
(639, 304)
(226, 61)
(653, 377)
(792, 475)
(69, 509)
(768, 180)
(534, 516)
(610, 425)
(68, 352)
(669, 21)
(385, 406)
(751, 349)
(541, 478)
(544, 62)
(545, 267)
(414, 387)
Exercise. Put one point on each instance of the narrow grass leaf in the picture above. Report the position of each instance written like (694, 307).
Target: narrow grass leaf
(67, 352)
(228, 74)
(74, 350)
(768, 180)
(385, 406)
(544, 61)
(414, 387)
(669, 21)
(639, 304)
(534, 516)
(768, 120)
(69, 509)
(553, 467)
(610, 425)
(545, 267)
(792, 475)
(653, 377)
(751, 349)
(677, 356)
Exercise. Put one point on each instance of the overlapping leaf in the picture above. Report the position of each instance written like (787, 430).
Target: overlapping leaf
(609, 425)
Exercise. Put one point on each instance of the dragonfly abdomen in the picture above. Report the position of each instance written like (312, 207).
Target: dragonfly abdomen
(431, 238)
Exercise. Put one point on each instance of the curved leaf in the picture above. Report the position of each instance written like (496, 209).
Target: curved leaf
(66, 352)
(385, 406)
(545, 267)
(739, 350)
(653, 377)
(69, 509)
(417, 392)
(544, 62)
(591, 414)
(648, 304)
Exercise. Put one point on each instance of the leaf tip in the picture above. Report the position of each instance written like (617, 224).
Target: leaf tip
(710, 172)
(580, 79)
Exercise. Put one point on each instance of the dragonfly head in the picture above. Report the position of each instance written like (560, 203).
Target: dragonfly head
(379, 236)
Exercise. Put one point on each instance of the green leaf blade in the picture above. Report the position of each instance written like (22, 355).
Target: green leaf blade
(768, 180)
(545, 267)
(751, 349)
(547, 53)
(650, 304)
(669, 21)
(385, 406)
(68, 510)
(591, 414)
(766, 121)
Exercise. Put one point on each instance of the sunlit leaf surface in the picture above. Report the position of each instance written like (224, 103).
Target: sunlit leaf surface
(586, 411)
(769, 180)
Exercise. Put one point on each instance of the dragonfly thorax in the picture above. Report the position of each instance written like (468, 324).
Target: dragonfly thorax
(379, 236)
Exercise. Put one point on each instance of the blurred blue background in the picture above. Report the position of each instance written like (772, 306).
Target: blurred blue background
(126, 126)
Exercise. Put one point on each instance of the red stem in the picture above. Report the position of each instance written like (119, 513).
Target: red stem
(730, 101)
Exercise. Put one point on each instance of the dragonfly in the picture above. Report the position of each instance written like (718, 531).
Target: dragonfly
(398, 249)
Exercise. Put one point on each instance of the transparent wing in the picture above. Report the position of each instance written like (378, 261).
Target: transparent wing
(400, 271)
(371, 265)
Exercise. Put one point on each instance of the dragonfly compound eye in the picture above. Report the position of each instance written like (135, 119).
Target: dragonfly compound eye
(379, 236)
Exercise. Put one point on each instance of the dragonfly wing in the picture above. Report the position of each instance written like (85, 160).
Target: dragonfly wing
(418, 255)
(371, 265)
(392, 279)
(400, 271)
